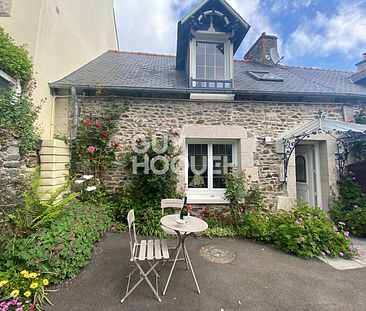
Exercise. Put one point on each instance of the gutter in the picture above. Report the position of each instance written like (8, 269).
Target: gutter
(190, 90)
(75, 113)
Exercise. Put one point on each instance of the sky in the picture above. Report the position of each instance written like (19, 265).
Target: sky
(311, 33)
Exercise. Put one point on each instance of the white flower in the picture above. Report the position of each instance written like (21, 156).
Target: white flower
(90, 188)
(87, 177)
(79, 181)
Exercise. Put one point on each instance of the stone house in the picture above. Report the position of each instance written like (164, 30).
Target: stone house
(282, 124)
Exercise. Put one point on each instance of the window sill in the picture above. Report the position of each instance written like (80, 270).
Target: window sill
(206, 199)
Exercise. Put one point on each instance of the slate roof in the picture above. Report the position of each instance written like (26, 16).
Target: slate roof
(131, 70)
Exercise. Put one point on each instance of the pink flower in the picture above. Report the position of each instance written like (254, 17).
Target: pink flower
(350, 248)
(335, 229)
(316, 217)
(342, 223)
(91, 148)
(302, 239)
(323, 254)
(104, 134)
(250, 176)
(327, 252)
(98, 124)
(341, 254)
(87, 123)
(346, 233)
(297, 222)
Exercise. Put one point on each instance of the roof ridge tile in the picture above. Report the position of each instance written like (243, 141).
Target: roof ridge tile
(140, 53)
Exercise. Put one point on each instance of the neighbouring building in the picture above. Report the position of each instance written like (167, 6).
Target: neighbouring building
(286, 126)
(60, 36)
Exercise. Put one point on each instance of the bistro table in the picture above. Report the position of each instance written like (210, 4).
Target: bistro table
(192, 225)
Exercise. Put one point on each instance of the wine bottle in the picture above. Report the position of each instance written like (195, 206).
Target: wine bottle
(184, 210)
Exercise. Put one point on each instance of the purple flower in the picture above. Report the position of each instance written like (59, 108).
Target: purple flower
(335, 229)
(341, 254)
(327, 252)
(297, 222)
(308, 216)
(346, 233)
(302, 239)
(350, 248)
(342, 223)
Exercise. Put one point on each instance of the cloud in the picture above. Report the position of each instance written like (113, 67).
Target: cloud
(150, 26)
(343, 32)
(286, 7)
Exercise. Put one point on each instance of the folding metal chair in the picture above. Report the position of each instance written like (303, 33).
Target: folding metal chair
(151, 251)
(170, 203)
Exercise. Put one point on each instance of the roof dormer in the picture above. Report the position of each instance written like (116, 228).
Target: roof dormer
(208, 38)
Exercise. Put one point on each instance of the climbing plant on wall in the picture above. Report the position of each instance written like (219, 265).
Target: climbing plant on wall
(14, 59)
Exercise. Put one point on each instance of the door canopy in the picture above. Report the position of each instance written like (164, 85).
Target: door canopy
(345, 133)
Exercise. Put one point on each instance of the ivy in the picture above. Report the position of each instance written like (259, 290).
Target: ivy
(18, 115)
(14, 59)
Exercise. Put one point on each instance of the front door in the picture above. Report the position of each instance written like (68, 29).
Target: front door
(306, 174)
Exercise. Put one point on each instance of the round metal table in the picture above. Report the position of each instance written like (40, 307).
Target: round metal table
(192, 225)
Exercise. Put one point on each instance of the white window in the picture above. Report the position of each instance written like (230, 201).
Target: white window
(207, 162)
(210, 61)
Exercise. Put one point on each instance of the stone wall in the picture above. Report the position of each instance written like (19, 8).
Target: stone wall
(9, 169)
(259, 119)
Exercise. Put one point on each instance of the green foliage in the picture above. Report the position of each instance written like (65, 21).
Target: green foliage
(149, 185)
(350, 207)
(304, 231)
(236, 184)
(256, 225)
(39, 209)
(14, 59)
(18, 115)
(146, 189)
(93, 151)
(307, 232)
(63, 248)
(220, 231)
(359, 148)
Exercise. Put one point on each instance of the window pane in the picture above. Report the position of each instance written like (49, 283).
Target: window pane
(220, 60)
(300, 169)
(200, 72)
(210, 60)
(210, 73)
(222, 161)
(200, 47)
(200, 59)
(210, 48)
(220, 48)
(197, 166)
(220, 73)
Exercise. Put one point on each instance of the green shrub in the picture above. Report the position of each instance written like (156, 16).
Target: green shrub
(93, 151)
(256, 225)
(306, 232)
(350, 207)
(224, 230)
(38, 209)
(14, 59)
(63, 248)
(18, 115)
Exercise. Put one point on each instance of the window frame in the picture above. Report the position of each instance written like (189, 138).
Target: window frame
(218, 38)
(209, 193)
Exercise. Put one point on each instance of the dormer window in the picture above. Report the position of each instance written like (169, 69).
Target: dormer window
(210, 63)
(207, 40)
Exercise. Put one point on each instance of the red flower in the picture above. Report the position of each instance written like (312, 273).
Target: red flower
(87, 123)
(116, 145)
(98, 124)
(104, 134)
(250, 176)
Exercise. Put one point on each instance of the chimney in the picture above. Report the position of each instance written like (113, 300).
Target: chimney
(361, 66)
(260, 51)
